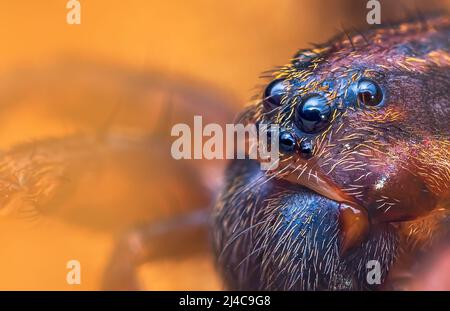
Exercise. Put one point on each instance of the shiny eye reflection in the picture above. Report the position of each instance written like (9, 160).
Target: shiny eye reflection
(369, 93)
(313, 114)
(287, 142)
(274, 93)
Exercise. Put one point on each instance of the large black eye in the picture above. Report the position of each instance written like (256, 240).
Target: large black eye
(274, 93)
(369, 93)
(313, 114)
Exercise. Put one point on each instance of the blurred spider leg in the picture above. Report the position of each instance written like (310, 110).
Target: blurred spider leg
(180, 236)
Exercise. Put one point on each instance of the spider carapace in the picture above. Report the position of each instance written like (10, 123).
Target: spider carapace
(363, 174)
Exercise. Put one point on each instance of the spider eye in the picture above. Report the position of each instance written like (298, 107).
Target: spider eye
(274, 93)
(303, 58)
(287, 142)
(369, 93)
(313, 114)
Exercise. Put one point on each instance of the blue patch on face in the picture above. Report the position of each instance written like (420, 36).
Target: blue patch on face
(307, 213)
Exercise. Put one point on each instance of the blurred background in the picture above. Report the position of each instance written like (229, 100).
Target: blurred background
(57, 80)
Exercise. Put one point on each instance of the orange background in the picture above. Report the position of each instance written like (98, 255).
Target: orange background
(224, 44)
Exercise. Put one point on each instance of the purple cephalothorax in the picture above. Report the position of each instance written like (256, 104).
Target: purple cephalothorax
(364, 164)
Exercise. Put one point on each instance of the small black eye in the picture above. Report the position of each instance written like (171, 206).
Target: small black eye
(287, 142)
(306, 147)
(274, 93)
(313, 114)
(303, 58)
(369, 93)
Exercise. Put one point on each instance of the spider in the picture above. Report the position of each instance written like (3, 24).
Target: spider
(304, 226)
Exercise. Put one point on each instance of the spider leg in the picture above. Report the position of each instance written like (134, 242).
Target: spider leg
(176, 237)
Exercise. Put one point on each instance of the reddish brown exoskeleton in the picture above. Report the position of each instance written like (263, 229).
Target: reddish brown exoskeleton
(364, 172)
